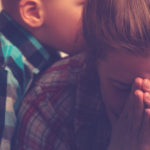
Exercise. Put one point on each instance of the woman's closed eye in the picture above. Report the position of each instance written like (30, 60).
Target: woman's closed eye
(121, 86)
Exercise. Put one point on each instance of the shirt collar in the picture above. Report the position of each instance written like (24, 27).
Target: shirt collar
(34, 52)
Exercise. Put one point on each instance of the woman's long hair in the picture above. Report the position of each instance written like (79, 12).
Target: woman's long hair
(121, 24)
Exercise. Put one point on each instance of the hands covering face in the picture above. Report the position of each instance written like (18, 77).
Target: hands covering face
(132, 130)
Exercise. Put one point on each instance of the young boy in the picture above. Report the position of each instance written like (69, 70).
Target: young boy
(31, 33)
(103, 104)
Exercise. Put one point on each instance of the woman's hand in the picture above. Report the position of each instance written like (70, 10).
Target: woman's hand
(132, 130)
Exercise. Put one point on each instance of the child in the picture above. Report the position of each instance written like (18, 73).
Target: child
(100, 100)
(30, 33)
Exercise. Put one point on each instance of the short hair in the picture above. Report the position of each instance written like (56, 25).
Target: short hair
(122, 24)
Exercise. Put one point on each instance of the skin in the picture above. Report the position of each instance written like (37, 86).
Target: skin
(63, 24)
(55, 23)
(125, 88)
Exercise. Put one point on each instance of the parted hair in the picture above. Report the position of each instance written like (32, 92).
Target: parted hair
(121, 24)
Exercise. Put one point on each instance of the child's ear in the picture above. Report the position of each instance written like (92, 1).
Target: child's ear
(31, 12)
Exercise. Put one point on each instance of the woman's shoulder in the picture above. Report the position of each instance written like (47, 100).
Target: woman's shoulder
(55, 91)
(63, 71)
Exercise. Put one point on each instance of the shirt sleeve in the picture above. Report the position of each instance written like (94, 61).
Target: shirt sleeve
(11, 90)
(15, 79)
(3, 85)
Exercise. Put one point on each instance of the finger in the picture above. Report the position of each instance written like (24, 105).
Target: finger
(138, 107)
(146, 85)
(146, 121)
(138, 83)
(147, 99)
(135, 98)
(134, 108)
(145, 128)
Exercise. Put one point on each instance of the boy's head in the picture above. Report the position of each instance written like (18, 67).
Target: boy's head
(54, 22)
(118, 31)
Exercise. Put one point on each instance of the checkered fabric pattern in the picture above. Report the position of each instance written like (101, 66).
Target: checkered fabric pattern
(22, 58)
(61, 113)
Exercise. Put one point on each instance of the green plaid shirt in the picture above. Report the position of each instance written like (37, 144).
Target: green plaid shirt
(22, 58)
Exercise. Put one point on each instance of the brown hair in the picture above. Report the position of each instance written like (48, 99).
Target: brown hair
(123, 24)
(9, 4)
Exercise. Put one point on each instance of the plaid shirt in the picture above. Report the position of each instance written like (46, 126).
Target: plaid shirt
(61, 113)
(22, 58)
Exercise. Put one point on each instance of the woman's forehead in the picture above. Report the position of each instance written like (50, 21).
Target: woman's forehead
(125, 65)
